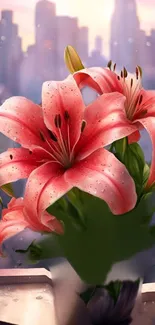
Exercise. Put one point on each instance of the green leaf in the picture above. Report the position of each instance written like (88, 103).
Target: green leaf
(132, 156)
(107, 238)
(8, 189)
(114, 289)
(47, 247)
(1, 202)
(146, 172)
(88, 294)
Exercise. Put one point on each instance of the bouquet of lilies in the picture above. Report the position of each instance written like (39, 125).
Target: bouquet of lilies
(89, 189)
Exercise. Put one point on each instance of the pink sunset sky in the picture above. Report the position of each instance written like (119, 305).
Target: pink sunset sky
(95, 14)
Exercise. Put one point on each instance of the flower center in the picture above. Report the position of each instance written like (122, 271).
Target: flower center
(58, 145)
(131, 88)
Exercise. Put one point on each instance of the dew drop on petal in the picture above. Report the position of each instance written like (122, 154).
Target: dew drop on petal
(39, 297)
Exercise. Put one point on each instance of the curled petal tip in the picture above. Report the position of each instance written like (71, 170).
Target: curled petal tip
(72, 59)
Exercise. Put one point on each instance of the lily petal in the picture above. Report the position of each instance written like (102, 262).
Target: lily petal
(148, 102)
(102, 175)
(18, 163)
(106, 122)
(14, 220)
(21, 120)
(45, 185)
(102, 80)
(134, 137)
(64, 98)
(149, 124)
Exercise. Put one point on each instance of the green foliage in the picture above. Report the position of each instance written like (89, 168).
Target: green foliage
(104, 239)
(8, 189)
(132, 156)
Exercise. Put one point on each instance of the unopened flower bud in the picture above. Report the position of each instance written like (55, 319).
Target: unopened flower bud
(72, 59)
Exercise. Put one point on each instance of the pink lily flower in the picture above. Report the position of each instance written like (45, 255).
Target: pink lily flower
(139, 106)
(14, 219)
(62, 147)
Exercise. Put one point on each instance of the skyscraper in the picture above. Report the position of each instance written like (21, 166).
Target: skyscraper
(45, 13)
(67, 34)
(10, 52)
(45, 31)
(83, 43)
(99, 44)
(125, 28)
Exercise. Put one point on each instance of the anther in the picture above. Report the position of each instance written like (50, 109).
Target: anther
(83, 125)
(131, 83)
(57, 121)
(125, 72)
(109, 64)
(114, 68)
(66, 116)
(52, 135)
(137, 73)
(11, 157)
(42, 136)
(140, 70)
(140, 99)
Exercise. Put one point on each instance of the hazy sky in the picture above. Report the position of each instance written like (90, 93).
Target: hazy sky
(96, 14)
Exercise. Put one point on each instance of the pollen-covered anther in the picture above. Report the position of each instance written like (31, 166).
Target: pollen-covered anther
(83, 125)
(140, 70)
(66, 116)
(137, 73)
(42, 136)
(109, 64)
(57, 121)
(52, 135)
(140, 99)
(125, 72)
(114, 67)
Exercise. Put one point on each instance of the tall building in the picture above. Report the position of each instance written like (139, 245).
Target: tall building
(125, 28)
(99, 44)
(45, 34)
(10, 52)
(83, 43)
(67, 34)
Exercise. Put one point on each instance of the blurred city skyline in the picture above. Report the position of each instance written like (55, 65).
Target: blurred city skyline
(97, 19)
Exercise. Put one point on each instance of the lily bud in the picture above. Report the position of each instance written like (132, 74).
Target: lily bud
(72, 59)
(8, 189)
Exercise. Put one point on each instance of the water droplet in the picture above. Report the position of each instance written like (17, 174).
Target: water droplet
(39, 297)
(115, 43)
(3, 38)
(130, 40)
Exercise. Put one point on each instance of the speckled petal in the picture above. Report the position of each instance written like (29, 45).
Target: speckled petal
(104, 176)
